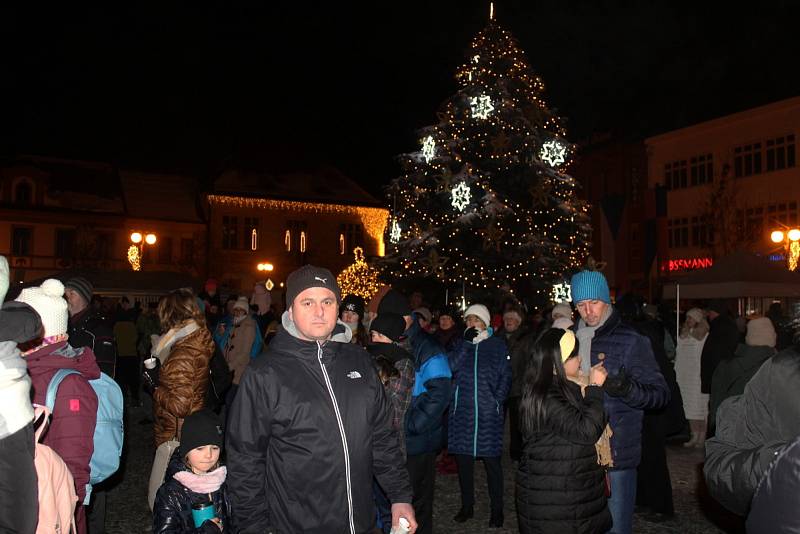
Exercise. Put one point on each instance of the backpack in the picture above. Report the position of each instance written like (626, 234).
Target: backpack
(219, 380)
(108, 431)
(57, 495)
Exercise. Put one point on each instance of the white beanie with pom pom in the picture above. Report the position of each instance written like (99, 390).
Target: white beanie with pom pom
(48, 301)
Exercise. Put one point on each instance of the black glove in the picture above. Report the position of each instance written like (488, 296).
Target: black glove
(470, 334)
(619, 384)
(150, 377)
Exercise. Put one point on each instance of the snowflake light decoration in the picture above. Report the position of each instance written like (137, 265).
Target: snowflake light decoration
(553, 153)
(460, 196)
(428, 148)
(394, 234)
(481, 106)
(561, 293)
(475, 59)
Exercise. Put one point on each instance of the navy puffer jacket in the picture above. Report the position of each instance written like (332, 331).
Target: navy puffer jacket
(482, 379)
(172, 510)
(620, 346)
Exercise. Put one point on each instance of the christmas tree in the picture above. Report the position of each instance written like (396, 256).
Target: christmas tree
(359, 278)
(486, 200)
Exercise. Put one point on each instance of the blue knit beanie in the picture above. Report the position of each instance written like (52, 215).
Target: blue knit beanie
(590, 285)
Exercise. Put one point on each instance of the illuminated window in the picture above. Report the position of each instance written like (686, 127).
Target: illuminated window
(296, 236)
(353, 236)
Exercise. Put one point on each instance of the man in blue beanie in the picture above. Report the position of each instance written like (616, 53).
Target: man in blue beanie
(634, 384)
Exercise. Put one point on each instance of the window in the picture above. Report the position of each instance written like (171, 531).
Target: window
(701, 169)
(187, 251)
(230, 236)
(165, 250)
(351, 236)
(678, 230)
(780, 153)
(251, 228)
(747, 160)
(21, 241)
(103, 246)
(65, 243)
(676, 175)
(782, 213)
(296, 236)
(23, 193)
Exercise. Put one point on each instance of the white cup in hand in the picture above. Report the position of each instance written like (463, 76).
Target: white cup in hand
(150, 363)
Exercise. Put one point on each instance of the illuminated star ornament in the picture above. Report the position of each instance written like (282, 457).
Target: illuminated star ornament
(394, 234)
(461, 196)
(561, 293)
(481, 106)
(553, 153)
(428, 148)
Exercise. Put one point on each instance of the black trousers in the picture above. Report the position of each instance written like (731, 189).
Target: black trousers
(422, 472)
(654, 488)
(494, 478)
(515, 443)
(129, 376)
(19, 491)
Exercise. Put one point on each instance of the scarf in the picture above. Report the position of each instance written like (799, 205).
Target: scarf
(204, 482)
(483, 334)
(163, 346)
(585, 333)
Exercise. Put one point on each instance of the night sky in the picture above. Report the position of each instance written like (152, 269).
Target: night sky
(281, 87)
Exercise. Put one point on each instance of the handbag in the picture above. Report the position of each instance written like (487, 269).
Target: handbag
(160, 462)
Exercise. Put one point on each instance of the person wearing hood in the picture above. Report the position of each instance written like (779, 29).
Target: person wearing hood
(311, 425)
(19, 323)
(243, 334)
(448, 331)
(352, 314)
(688, 353)
(71, 430)
(195, 477)
(396, 371)
(733, 374)
(429, 399)
(185, 352)
(482, 378)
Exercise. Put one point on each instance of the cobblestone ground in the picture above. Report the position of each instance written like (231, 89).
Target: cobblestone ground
(128, 512)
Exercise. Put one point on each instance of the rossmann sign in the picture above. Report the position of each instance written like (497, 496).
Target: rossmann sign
(686, 264)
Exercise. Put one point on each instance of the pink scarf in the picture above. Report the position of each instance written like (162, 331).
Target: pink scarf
(205, 483)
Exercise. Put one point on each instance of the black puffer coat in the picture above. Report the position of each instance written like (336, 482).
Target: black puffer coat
(172, 511)
(560, 486)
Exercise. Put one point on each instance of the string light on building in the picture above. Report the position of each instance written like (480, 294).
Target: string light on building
(790, 240)
(359, 278)
(134, 258)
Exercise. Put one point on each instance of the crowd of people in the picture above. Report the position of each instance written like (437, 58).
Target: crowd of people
(336, 415)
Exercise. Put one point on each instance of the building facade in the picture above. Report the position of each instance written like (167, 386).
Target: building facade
(730, 182)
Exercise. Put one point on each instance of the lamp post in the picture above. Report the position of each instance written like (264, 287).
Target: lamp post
(136, 250)
(790, 240)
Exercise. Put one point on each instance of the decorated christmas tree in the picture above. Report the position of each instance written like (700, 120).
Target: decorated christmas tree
(359, 278)
(487, 200)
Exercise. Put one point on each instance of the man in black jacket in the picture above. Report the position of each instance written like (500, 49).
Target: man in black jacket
(723, 337)
(311, 426)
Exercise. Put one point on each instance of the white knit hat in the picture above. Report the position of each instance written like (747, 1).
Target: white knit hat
(760, 332)
(562, 309)
(481, 312)
(242, 304)
(48, 301)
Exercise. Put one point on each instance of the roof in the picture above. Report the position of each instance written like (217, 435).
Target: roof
(740, 274)
(160, 196)
(324, 184)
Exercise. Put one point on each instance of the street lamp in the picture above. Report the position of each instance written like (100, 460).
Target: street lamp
(791, 245)
(265, 267)
(135, 251)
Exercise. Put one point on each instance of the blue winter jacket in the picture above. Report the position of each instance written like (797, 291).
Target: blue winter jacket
(482, 380)
(431, 393)
(622, 345)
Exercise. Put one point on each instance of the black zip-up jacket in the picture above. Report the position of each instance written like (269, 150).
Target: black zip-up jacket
(90, 329)
(309, 428)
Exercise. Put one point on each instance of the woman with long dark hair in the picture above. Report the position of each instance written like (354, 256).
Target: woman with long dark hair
(560, 485)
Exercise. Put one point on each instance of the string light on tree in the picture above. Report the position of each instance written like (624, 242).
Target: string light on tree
(481, 106)
(394, 234)
(553, 153)
(359, 278)
(460, 196)
(428, 149)
(561, 293)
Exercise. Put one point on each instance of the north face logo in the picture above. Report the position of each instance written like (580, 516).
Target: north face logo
(353, 374)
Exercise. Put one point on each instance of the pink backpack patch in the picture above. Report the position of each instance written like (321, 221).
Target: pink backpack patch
(57, 497)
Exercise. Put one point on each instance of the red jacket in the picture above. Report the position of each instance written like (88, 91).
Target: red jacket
(71, 431)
